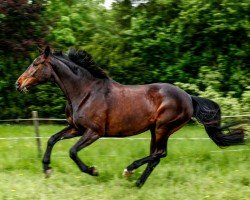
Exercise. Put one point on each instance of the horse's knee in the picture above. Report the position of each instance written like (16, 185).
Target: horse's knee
(72, 153)
(51, 141)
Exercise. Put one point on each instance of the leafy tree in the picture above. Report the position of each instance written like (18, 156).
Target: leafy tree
(202, 46)
(174, 39)
(76, 22)
(216, 34)
(22, 29)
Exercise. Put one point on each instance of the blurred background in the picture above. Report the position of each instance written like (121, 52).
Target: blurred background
(201, 46)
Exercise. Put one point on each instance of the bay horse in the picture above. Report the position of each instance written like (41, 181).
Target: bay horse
(97, 106)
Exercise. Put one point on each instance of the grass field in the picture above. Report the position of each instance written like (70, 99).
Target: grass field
(194, 169)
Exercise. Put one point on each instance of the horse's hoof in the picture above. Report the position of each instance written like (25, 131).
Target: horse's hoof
(48, 173)
(139, 184)
(93, 171)
(127, 173)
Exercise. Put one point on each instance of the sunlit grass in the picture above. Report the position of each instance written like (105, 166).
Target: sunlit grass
(194, 169)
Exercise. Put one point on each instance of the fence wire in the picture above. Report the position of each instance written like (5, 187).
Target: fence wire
(110, 138)
(64, 120)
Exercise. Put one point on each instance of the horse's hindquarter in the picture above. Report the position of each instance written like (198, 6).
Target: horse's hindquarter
(175, 110)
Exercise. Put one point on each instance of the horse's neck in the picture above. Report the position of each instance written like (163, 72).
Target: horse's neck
(71, 84)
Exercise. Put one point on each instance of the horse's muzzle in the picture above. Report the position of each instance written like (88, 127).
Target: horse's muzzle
(20, 87)
(17, 85)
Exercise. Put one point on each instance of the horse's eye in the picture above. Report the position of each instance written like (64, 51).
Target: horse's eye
(35, 64)
(38, 61)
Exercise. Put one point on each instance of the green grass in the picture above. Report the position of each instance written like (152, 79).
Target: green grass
(194, 169)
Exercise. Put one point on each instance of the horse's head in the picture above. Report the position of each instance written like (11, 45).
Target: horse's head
(39, 71)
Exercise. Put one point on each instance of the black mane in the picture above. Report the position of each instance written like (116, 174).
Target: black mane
(83, 60)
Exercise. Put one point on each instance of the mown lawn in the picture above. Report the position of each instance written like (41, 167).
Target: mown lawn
(194, 169)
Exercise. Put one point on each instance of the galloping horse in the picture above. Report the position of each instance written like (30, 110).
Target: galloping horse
(97, 106)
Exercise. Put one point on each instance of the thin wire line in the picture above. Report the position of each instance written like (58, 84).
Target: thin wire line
(110, 138)
(64, 120)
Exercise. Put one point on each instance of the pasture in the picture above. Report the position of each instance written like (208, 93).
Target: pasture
(193, 169)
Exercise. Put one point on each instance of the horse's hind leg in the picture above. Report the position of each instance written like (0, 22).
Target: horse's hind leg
(136, 164)
(150, 167)
(159, 147)
(158, 151)
(66, 133)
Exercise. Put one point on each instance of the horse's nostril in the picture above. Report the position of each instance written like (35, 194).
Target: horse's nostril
(17, 85)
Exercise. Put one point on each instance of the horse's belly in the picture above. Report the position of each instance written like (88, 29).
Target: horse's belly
(128, 125)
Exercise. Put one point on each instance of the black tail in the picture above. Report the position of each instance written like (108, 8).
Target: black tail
(208, 113)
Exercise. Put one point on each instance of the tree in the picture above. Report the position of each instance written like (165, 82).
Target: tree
(21, 26)
(22, 29)
(204, 45)
(173, 40)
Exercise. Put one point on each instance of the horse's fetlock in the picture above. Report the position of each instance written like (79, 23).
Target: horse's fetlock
(163, 155)
(46, 162)
(131, 167)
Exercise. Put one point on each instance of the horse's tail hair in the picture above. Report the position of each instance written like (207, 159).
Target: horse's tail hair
(208, 113)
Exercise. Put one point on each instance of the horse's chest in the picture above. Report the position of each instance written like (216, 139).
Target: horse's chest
(92, 117)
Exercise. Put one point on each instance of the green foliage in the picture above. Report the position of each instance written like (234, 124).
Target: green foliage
(49, 101)
(203, 46)
(22, 27)
(229, 104)
(76, 22)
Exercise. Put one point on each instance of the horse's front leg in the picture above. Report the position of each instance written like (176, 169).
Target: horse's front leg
(88, 138)
(66, 133)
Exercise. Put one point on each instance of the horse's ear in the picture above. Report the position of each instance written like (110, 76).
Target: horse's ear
(47, 51)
